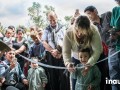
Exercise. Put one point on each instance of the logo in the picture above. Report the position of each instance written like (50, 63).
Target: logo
(109, 81)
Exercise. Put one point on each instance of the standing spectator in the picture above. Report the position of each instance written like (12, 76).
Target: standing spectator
(37, 49)
(114, 61)
(37, 78)
(20, 46)
(52, 37)
(33, 29)
(89, 80)
(8, 37)
(103, 24)
(13, 30)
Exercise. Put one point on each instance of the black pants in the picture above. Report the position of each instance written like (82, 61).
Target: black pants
(103, 67)
(57, 79)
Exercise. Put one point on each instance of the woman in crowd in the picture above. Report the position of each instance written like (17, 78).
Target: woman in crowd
(20, 46)
(79, 36)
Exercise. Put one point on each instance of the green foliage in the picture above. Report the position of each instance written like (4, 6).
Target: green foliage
(2, 28)
(37, 16)
(48, 9)
(67, 18)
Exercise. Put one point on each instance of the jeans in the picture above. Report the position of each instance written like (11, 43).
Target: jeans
(75, 61)
(114, 68)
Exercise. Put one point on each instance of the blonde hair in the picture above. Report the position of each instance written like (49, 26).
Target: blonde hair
(88, 35)
(33, 34)
(84, 27)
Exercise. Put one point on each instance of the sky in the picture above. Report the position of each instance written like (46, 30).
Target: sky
(14, 12)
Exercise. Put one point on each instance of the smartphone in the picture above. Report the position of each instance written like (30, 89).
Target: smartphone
(14, 60)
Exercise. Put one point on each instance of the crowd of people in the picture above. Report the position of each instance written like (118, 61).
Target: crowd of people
(89, 38)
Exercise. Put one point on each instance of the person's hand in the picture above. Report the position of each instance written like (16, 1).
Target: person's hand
(54, 52)
(90, 87)
(58, 56)
(118, 33)
(2, 80)
(12, 64)
(25, 81)
(70, 67)
(44, 84)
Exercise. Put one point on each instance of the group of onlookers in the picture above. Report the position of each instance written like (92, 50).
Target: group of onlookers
(77, 47)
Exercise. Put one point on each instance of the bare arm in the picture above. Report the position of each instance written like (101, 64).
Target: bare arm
(21, 49)
(47, 46)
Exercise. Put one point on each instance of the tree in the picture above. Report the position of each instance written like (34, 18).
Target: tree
(67, 19)
(1, 28)
(35, 14)
(48, 9)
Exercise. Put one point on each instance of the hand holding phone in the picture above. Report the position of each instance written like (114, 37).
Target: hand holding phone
(13, 63)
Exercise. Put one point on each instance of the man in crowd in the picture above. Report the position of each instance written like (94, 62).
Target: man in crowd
(52, 38)
(103, 24)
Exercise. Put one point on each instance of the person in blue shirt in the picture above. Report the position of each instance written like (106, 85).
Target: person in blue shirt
(12, 73)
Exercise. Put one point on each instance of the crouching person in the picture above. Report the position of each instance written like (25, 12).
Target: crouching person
(37, 78)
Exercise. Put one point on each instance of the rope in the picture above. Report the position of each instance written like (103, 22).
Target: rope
(57, 67)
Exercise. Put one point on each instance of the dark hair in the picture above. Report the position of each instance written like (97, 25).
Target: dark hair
(19, 29)
(90, 8)
(83, 22)
(23, 28)
(88, 50)
(11, 27)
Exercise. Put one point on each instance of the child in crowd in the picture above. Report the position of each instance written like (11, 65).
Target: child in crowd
(8, 37)
(37, 78)
(37, 49)
(86, 80)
